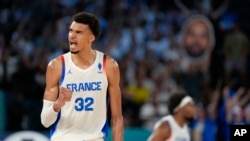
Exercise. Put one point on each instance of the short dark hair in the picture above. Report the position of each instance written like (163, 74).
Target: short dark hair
(90, 20)
(174, 100)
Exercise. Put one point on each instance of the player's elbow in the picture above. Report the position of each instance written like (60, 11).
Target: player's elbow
(47, 119)
(117, 121)
(45, 122)
(46, 125)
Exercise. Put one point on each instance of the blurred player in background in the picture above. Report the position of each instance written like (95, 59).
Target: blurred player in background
(174, 127)
(77, 86)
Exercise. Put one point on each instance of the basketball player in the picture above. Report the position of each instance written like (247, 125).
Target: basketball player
(75, 98)
(173, 127)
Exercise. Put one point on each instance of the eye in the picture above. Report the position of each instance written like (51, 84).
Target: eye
(78, 32)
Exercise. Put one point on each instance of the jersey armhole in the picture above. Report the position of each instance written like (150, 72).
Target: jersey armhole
(169, 128)
(63, 69)
(104, 64)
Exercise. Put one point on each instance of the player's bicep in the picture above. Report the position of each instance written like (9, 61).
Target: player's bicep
(113, 75)
(161, 133)
(53, 74)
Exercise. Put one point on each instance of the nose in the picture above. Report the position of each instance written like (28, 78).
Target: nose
(72, 35)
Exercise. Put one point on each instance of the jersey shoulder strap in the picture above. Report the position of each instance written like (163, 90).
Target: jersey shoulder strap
(63, 69)
(104, 63)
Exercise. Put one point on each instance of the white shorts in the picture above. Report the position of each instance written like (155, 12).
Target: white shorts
(100, 139)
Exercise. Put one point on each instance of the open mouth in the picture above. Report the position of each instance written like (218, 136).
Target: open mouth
(73, 43)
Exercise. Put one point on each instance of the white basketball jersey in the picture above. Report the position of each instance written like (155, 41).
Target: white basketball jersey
(177, 133)
(85, 116)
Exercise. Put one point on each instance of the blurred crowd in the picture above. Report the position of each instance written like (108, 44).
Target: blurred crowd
(144, 37)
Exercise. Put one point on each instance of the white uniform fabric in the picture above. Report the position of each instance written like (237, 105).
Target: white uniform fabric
(177, 133)
(85, 116)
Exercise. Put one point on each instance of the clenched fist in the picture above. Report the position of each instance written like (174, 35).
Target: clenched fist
(64, 96)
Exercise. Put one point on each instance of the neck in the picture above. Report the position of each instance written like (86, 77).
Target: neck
(180, 120)
(84, 58)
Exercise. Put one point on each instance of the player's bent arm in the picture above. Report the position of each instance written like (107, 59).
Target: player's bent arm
(113, 75)
(50, 109)
(161, 133)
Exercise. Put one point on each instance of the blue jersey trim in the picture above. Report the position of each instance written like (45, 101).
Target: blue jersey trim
(53, 126)
(105, 128)
(63, 70)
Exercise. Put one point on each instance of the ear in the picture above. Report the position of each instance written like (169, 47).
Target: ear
(91, 38)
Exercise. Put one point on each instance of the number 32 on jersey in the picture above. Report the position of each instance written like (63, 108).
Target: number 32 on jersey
(84, 104)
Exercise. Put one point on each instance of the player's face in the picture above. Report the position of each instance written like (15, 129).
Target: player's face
(80, 36)
(196, 40)
(189, 111)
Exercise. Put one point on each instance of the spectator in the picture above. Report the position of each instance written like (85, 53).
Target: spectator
(236, 47)
(196, 42)
(205, 126)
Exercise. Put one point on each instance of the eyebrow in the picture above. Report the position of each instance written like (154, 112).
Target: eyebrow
(77, 31)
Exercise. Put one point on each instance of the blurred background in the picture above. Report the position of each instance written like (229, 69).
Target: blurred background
(144, 36)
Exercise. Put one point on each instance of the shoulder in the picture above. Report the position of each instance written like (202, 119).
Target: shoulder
(54, 71)
(165, 126)
(163, 122)
(112, 70)
(111, 64)
(55, 64)
(163, 129)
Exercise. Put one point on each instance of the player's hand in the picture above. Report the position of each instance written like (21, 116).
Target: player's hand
(64, 96)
